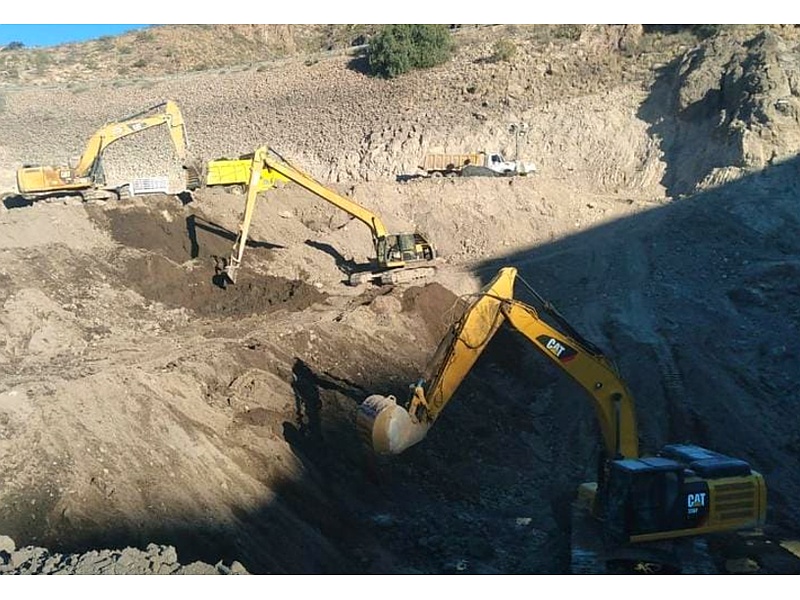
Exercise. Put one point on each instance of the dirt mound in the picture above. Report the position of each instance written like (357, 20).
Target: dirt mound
(435, 304)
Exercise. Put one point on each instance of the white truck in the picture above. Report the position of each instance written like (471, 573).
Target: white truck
(480, 164)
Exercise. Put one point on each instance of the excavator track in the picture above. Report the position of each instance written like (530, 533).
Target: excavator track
(417, 275)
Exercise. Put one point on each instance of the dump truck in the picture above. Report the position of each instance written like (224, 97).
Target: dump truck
(234, 174)
(478, 164)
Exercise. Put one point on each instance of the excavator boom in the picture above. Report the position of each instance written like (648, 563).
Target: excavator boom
(88, 173)
(307, 182)
(111, 132)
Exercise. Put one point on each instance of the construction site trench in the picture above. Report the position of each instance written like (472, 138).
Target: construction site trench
(146, 406)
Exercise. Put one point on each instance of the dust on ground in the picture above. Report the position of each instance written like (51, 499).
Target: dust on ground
(141, 404)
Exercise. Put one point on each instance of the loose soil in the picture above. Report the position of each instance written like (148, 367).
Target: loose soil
(145, 409)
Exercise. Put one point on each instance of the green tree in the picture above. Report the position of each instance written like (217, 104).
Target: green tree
(397, 49)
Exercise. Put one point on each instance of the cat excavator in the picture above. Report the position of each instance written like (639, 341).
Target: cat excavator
(399, 257)
(642, 510)
(87, 178)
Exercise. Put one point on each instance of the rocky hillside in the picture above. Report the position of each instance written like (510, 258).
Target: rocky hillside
(729, 106)
(168, 49)
(607, 108)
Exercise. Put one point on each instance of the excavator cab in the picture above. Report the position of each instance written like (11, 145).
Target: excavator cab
(400, 249)
(658, 508)
(642, 497)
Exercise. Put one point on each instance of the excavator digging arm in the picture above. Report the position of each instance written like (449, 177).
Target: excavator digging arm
(393, 251)
(612, 401)
(370, 219)
(254, 185)
(111, 132)
(392, 428)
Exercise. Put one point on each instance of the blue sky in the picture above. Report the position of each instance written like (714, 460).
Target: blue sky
(51, 35)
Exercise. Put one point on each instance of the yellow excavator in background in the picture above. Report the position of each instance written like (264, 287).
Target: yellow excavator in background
(681, 493)
(400, 257)
(87, 178)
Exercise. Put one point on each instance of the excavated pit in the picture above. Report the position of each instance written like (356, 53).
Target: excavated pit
(160, 280)
(163, 225)
(242, 447)
(219, 448)
(181, 252)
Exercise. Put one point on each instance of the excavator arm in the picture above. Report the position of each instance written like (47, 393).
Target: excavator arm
(392, 428)
(88, 172)
(111, 132)
(370, 219)
(393, 251)
(611, 399)
(254, 186)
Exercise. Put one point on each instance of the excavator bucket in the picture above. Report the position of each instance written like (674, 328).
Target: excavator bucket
(390, 428)
(386, 426)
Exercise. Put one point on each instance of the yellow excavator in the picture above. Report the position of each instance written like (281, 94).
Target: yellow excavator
(642, 510)
(399, 257)
(87, 178)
